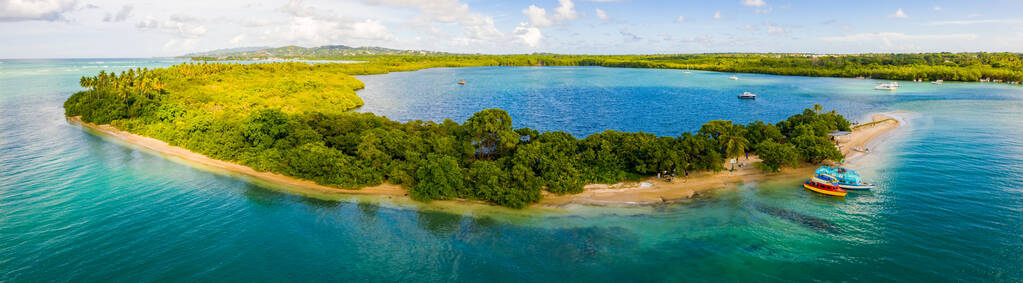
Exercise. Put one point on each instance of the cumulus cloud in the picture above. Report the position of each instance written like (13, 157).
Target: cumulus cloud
(717, 15)
(182, 26)
(121, 15)
(899, 14)
(34, 10)
(476, 27)
(537, 16)
(307, 25)
(566, 10)
(754, 3)
(602, 15)
(937, 8)
(529, 35)
(680, 19)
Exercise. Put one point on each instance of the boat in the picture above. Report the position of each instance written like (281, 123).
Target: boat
(844, 178)
(734, 78)
(462, 82)
(824, 187)
(938, 82)
(747, 95)
(888, 86)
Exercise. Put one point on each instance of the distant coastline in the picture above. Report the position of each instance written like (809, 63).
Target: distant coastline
(647, 192)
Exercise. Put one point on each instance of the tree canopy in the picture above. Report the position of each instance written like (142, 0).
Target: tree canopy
(292, 119)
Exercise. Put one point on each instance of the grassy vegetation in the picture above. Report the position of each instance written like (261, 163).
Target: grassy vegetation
(926, 66)
(292, 119)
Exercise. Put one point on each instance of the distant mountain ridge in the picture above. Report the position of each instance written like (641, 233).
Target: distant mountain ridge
(292, 51)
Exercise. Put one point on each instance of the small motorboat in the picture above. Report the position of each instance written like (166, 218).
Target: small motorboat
(938, 82)
(734, 78)
(462, 82)
(888, 86)
(843, 178)
(824, 187)
(747, 95)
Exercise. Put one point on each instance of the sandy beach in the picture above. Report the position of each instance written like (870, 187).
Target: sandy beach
(646, 192)
(654, 191)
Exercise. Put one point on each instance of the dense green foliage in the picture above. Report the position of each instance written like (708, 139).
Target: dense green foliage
(926, 66)
(291, 118)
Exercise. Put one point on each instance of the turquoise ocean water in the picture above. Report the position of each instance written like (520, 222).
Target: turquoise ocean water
(77, 207)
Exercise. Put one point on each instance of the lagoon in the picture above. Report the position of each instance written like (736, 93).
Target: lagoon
(74, 206)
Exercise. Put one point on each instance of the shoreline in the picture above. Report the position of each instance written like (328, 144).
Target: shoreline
(649, 191)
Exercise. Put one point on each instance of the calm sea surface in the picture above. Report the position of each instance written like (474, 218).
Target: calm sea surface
(74, 206)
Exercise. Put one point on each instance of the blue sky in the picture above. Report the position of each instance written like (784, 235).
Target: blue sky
(111, 28)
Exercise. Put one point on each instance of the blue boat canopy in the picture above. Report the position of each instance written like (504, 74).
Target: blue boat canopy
(847, 176)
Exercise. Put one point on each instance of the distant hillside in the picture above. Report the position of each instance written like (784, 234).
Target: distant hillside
(288, 52)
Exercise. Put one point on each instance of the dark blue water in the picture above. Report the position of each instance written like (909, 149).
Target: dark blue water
(74, 206)
(586, 100)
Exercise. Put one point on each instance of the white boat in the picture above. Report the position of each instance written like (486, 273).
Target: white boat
(888, 86)
(747, 95)
(734, 78)
(938, 82)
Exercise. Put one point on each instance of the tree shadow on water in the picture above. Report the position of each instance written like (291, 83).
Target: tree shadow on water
(262, 196)
(439, 223)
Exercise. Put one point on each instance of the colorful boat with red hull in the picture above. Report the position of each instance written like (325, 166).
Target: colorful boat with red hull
(824, 187)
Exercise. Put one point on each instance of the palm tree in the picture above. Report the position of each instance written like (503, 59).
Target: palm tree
(735, 142)
(818, 108)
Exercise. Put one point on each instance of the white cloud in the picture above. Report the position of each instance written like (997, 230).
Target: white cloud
(481, 28)
(680, 19)
(238, 39)
(888, 36)
(476, 27)
(257, 22)
(975, 22)
(717, 15)
(121, 15)
(775, 29)
(937, 8)
(180, 45)
(754, 3)
(34, 10)
(309, 26)
(530, 35)
(899, 14)
(566, 10)
(602, 15)
(537, 16)
(147, 23)
(370, 29)
(181, 26)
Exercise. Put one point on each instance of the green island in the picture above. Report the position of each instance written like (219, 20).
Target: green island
(292, 119)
